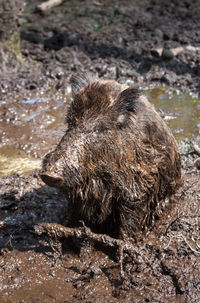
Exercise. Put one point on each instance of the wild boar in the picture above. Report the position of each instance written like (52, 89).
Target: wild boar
(117, 161)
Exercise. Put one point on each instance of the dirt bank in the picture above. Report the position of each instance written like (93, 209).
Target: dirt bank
(149, 42)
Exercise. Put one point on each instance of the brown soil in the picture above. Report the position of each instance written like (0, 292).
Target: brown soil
(113, 39)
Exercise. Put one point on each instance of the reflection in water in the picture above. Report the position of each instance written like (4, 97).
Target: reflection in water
(30, 101)
(181, 111)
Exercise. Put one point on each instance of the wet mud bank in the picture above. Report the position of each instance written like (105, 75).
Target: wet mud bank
(164, 266)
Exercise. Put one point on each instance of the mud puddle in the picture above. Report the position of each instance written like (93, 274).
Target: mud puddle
(29, 126)
(180, 111)
(35, 124)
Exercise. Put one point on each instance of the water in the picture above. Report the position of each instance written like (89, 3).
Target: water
(181, 111)
(40, 120)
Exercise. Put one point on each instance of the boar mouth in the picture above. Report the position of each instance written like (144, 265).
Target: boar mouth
(51, 180)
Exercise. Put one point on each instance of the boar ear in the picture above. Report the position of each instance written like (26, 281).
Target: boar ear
(78, 82)
(127, 103)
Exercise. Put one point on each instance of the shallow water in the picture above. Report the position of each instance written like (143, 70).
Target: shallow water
(181, 111)
(38, 121)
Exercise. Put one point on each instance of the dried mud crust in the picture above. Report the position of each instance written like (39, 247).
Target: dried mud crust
(163, 267)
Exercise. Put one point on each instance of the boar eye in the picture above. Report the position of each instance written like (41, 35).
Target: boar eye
(97, 131)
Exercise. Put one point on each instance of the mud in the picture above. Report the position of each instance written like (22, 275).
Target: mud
(119, 40)
(164, 268)
(40, 268)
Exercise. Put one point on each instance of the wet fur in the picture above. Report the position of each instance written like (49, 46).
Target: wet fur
(118, 158)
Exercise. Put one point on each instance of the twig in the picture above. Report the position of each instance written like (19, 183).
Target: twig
(47, 5)
(195, 148)
(175, 51)
(2, 224)
(181, 237)
(170, 224)
(57, 230)
(188, 244)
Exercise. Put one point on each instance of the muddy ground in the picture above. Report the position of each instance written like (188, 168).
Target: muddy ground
(112, 39)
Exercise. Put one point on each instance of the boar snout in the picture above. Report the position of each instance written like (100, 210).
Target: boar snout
(52, 180)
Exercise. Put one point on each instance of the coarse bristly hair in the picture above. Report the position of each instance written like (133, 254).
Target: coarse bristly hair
(117, 162)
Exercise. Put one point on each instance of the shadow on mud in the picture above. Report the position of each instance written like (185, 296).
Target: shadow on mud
(102, 50)
(142, 64)
(22, 206)
(20, 212)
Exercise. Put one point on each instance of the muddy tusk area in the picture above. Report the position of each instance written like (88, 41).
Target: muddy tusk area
(154, 45)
